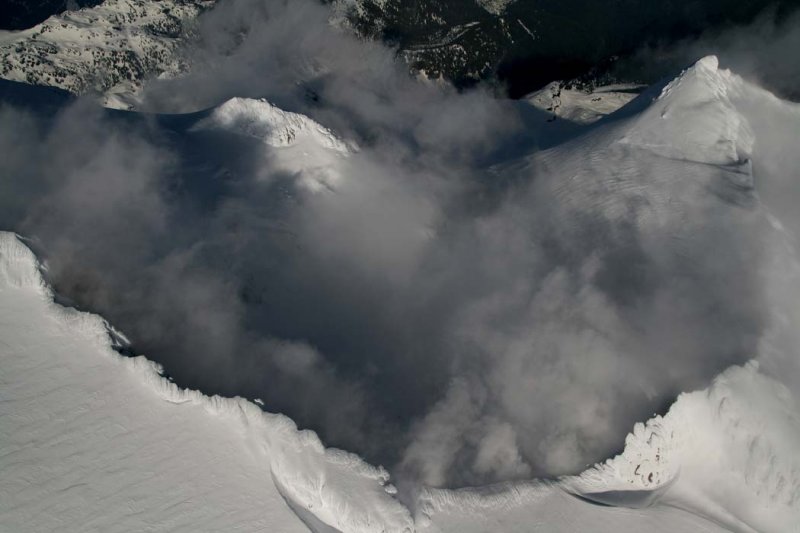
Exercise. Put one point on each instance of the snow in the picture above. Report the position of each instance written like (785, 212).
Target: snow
(297, 144)
(96, 441)
(578, 105)
(727, 453)
(542, 507)
(110, 48)
(276, 127)
(723, 458)
(694, 119)
(663, 151)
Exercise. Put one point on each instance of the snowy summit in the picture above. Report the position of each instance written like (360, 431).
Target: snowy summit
(94, 440)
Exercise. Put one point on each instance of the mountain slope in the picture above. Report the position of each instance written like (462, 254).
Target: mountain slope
(94, 441)
(702, 152)
(97, 441)
(109, 49)
(22, 14)
(725, 453)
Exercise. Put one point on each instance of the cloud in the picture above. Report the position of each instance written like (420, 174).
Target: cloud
(452, 314)
(762, 51)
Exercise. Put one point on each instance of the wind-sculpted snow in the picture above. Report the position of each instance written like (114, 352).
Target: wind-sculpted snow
(95, 441)
(299, 146)
(276, 127)
(694, 120)
(109, 433)
(516, 316)
(727, 453)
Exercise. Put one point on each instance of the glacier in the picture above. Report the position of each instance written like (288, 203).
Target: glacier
(97, 441)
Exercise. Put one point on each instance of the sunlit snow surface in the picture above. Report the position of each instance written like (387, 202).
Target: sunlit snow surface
(111, 48)
(95, 441)
(298, 145)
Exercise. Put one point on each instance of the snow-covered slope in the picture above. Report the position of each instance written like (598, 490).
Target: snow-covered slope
(581, 106)
(297, 145)
(94, 441)
(728, 453)
(685, 155)
(653, 163)
(694, 120)
(111, 48)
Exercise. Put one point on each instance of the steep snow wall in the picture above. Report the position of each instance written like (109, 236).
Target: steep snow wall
(728, 453)
(94, 441)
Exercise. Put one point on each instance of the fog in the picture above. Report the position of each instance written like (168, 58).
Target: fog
(764, 51)
(446, 307)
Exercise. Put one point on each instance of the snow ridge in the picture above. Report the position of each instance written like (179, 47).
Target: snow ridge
(731, 448)
(19, 268)
(721, 457)
(110, 49)
(337, 487)
(297, 145)
(276, 127)
(727, 453)
(694, 119)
